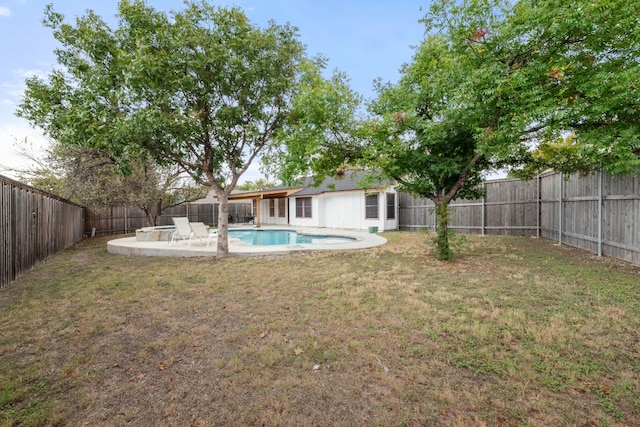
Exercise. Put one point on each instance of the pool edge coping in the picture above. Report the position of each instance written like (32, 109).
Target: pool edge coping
(131, 247)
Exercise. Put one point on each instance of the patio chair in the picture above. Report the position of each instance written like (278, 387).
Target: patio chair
(200, 231)
(183, 231)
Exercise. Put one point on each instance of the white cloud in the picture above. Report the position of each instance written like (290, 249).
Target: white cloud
(5, 11)
(10, 95)
(27, 73)
(13, 135)
(12, 91)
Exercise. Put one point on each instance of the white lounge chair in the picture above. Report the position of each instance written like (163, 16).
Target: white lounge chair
(200, 231)
(183, 231)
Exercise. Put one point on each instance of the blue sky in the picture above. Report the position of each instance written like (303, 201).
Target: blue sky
(366, 39)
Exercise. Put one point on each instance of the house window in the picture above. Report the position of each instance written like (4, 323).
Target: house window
(371, 206)
(303, 207)
(282, 208)
(272, 207)
(391, 205)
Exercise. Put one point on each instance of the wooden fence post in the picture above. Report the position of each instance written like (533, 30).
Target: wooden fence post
(484, 203)
(33, 226)
(538, 205)
(600, 211)
(435, 220)
(561, 190)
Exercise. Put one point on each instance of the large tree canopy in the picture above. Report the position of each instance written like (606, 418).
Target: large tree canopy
(497, 84)
(202, 89)
(494, 84)
(321, 131)
(549, 68)
(424, 132)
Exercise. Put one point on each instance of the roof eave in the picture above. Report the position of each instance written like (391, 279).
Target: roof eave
(266, 194)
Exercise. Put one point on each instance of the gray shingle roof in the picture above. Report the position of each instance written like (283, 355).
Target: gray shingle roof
(352, 180)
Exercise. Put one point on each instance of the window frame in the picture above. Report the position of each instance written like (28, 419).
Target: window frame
(272, 208)
(391, 208)
(304, 205)
(369, 206)
(282, 208)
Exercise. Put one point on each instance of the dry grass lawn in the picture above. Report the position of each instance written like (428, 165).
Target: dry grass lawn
(517, 331)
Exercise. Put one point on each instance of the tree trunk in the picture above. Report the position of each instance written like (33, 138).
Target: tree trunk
(157, 212)
(150, 219)
(223, 224)
(443, 251)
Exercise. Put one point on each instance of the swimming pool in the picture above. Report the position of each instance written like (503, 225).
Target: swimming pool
(284, 237)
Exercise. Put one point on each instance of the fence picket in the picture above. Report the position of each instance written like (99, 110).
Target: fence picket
(126, 219)
(33, 226)
(597, 212)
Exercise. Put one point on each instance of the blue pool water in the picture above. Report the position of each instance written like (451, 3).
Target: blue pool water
(283, 237)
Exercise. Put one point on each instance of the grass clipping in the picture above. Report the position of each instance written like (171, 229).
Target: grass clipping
(517, 331)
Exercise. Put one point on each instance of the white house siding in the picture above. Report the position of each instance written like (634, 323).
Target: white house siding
(314, 221)
(265, 217)
(340, 209)
(381, 222)
(276, 220)
(390, 224)
(346, 210)
(343, 210)
(279, 220)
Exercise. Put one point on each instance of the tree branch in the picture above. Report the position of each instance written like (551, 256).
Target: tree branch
(462, 178)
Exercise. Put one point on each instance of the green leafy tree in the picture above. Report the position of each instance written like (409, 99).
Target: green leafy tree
(202, 89)
(562, 155)
(321, 133)
(592, 71)
(423, 133)
(493, 81)
(257, 185)
(542, 69)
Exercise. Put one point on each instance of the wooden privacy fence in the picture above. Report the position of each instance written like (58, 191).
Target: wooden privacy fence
(126, 219)
(33, 226)
(596, 212)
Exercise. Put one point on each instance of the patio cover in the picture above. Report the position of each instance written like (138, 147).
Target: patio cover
(264, 194)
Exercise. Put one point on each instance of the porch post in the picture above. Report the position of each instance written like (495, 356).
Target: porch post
(258, 198)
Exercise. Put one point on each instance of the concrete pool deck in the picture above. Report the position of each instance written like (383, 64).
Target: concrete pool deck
(131, 246)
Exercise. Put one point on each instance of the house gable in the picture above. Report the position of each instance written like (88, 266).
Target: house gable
(350, 181)
(335, 203)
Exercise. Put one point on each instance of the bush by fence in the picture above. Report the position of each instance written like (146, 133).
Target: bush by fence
(33, 226)
(596, 212)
